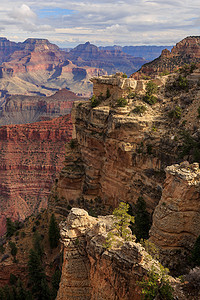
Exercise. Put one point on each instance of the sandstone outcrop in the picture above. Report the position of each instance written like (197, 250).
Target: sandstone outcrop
(116, 155)
(31, 156)
(176, 218)
(186, 51)
(90, 271)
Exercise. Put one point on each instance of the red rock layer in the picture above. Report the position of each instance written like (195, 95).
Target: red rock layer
(31, 156)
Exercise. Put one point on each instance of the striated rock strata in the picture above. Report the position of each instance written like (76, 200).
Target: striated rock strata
(21, 109)
(110, 159)
(31, 157)
(176, 223)
(90, 271)
(186, 51)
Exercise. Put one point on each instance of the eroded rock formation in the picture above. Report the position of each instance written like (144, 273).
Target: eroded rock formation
(186, 51)
(90, 271)
(176, 218)
(28, 109)
(31, 156)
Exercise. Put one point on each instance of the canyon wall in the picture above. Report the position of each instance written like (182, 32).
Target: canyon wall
(21, 109)
(90, 271)
(115, 155)
(176, 218)
(31, 156)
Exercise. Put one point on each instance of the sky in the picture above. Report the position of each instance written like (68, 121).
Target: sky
(106, 22)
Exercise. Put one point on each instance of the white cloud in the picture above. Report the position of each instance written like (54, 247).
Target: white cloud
(125, 22)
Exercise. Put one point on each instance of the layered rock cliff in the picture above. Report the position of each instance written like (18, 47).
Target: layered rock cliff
(186, 51)
(28, 109)
(116, 154)
(120, 153)
(90, 271)
(176, 218)
(31, 157)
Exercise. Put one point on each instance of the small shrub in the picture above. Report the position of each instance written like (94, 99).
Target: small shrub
(150, 99)
(121, 229)
(95, 101)
(151, 88)
(175, 113)
(23, 234)
(122, 102)
(149, 149)
(139, 109)
(131, 95)
(72, 144)
(124, 75)
(13, 249)
(2, 249)
(108, 94)
(183, 83)
(157, 285)
(195, 257)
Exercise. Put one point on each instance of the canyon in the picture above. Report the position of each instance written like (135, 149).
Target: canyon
(31, 157)
(184, 52)
(122, 144)
(38, 67)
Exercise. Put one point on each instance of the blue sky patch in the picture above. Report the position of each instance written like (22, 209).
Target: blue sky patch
(54, 12)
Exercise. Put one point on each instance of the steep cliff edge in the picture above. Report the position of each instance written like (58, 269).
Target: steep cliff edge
(118, 155)
(186, 51)
(90, 271)
(31, 157)
(20, 109)
(176, 218)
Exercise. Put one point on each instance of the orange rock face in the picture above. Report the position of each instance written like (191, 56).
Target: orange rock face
(186, 51)
(176, 218)
(31, 156)
(90, 271)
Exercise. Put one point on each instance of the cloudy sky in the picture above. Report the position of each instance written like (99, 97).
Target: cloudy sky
(106, 22)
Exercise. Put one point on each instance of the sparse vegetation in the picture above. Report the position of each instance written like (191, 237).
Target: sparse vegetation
(175, 113)
(121, 225)
(54, 232)
(190, 147)
(72, 144)
(108, 94)
(195, 256)
(122, 102)
(151, 89)
(156, 285)
(13, 249)
(142, 224)
(124, 75)
(139, 109)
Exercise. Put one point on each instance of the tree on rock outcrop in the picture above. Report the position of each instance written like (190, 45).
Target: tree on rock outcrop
(54, 232)
(122, 220)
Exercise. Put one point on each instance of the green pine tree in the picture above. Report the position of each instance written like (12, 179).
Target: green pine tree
(10, 227)
(142, 224)
(122, 220)
(37, 277)
(54, 232)
(195, 257)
